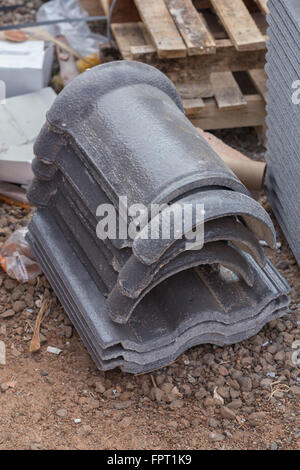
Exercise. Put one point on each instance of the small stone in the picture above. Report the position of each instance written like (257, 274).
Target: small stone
(176, 404)
(18, 306)
(237, 435)
(68, 331)
(77, 420)
(295, 389)
(235, 404)
(4, 387)
(213, 423)
(159, 394)
(257, 418)
(84, 430)
(28, 298)
(245, 383)
(99, 386)
(227, 413)
(43, 339)
(223, 371)
(266, 383)
(122, 405)
(9, 284)
(62, 413)
(209, 401)
(3, 330)
(274, 446)
(216, 436)
(7, 314)
(280, 356)
(172, 424)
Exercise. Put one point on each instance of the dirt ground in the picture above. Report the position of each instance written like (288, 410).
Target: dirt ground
(61, 401)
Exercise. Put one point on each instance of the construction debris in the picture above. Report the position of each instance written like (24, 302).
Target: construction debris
(25, 66)
(283, 121)
(16, 257)
(146, 299)
(250, 172)
(21, 118)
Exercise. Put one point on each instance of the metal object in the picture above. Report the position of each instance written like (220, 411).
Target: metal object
(133, 140)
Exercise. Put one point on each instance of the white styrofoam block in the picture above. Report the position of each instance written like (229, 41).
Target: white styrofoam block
(21, 119)
(25, 67)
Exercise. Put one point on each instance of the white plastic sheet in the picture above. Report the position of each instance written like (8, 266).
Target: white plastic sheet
(79, 35)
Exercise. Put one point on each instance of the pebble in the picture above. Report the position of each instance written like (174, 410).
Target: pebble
(227, 413)
(62, 413)
(216, 436)
(245, 383)
(295, 390)
(257, 418)
(4, 387)
(68, 331)
(99, 386)
(122, 405)
(235, 404)
(223, 371)
(18, 306)
(84, 430)
(77, 420)
(7, 314)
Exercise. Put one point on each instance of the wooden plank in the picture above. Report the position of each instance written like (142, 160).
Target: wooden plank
(193, 106)
(192, 27)
(128, 35)
(263, 5)
(239, 24)
(93, 7)
(161, 27)
(138, 52)
(226, 91)
(124, 11)
(210, 117)
(259, 78)
(226, 58)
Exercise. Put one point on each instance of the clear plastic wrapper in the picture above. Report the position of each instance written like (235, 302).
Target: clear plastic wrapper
(79, 35)
(17, 259)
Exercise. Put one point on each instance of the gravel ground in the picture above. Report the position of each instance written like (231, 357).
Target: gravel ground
(244, 396)
(24, 14)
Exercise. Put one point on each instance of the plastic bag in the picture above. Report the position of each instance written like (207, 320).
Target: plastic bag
(79, 35)
(17, 259)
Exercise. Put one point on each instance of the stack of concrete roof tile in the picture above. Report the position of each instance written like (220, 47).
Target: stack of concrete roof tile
(119, 131)
(283, 70)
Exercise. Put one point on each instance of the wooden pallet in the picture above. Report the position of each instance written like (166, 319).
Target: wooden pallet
(200, 52)
(230, 107)
(175, 29)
